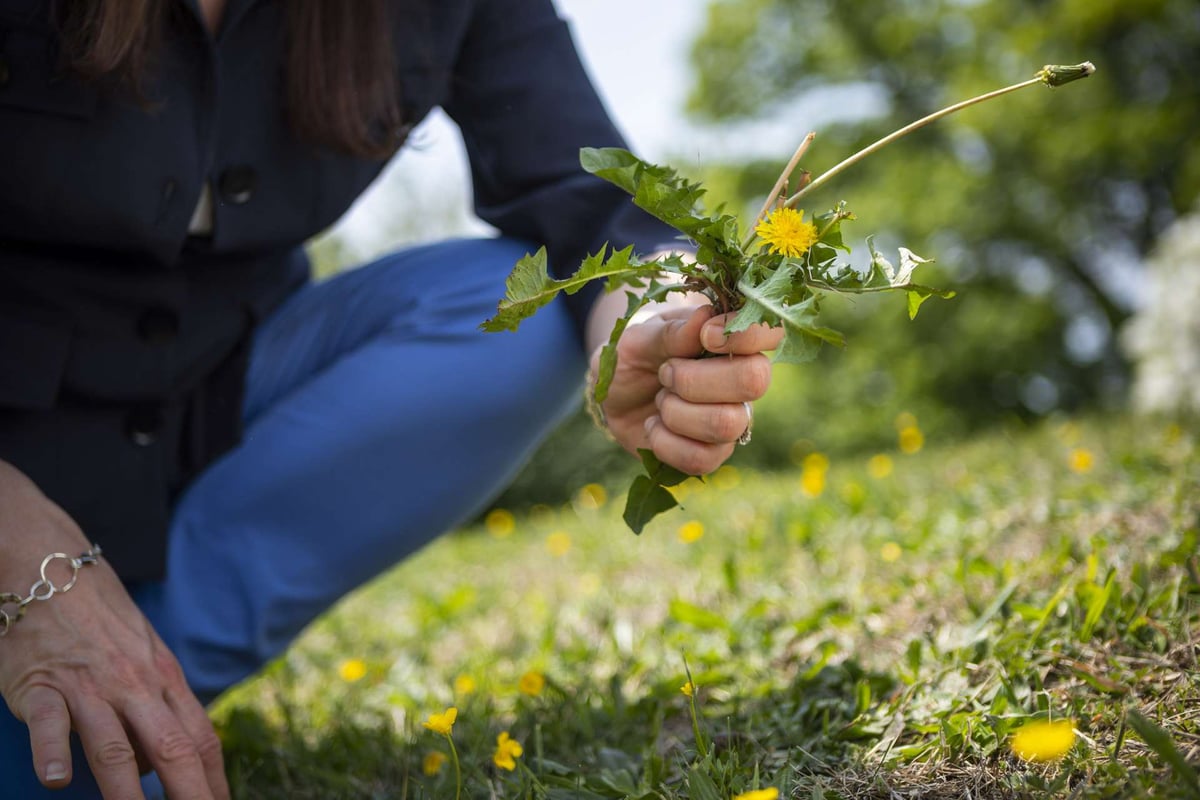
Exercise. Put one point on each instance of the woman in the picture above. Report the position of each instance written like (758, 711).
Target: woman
(246, 445)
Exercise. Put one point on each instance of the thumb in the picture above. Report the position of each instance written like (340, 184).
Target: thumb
(679, 335)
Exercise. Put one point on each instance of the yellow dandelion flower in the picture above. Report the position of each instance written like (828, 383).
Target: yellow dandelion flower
(890, 552)
(352, 669)
(812, 482)
(786, 232)
(880, 466)
(818, 462)
(911, 440)
(532, 683)
(1081, 460)
(770, 793)
(433, 762)
(691, 531)
(464, 684)
(558, 543)
(442, 723)
(592, 496)
(1044, 741)
(689, 689)
(507, 751)
(500, 522)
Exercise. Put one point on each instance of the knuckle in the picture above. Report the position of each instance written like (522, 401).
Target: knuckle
(727, 422)
(695, 462)
(114, 753)
(45, 714)
(167, 668)
(208, 745)
(755, 376)
(174, 746)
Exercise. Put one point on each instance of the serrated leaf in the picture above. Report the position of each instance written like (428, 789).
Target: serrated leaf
(647, 496)
(768, 303)
(529, 286)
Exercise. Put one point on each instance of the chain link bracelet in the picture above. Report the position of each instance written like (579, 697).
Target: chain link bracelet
(12, 606)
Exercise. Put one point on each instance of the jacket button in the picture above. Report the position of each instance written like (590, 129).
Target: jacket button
(143, 425)
(237, 184)
(158, 326)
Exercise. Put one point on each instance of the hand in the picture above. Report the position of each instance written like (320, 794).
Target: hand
(689, 410)
(88, 660)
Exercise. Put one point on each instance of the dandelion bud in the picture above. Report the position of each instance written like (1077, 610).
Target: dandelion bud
(1058, 74)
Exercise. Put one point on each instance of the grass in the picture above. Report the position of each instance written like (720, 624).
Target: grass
(851, 634)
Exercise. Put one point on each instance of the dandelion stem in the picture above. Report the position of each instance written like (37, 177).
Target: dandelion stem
(907, 129)
(778, 187)
(457, 768)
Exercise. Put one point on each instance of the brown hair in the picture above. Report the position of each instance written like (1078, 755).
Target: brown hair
(341, 87)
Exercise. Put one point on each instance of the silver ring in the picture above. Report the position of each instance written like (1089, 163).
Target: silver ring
(745, 437)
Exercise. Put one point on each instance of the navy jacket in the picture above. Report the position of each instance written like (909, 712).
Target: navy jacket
(122, 340)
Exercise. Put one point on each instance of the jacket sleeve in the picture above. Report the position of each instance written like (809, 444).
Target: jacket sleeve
(526, 106)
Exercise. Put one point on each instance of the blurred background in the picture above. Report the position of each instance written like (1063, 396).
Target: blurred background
(1066, 219)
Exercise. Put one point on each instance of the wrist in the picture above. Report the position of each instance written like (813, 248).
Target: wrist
(57, 574)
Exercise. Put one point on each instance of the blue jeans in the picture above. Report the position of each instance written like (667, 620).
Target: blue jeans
(377, 417)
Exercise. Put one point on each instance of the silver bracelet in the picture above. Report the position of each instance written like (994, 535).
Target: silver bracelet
(12, 606)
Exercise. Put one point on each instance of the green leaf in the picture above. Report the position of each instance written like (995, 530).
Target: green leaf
(647, 496)
(697, 617)
(768, 302)
(529, 286)
(701, 787)
(1161, 742)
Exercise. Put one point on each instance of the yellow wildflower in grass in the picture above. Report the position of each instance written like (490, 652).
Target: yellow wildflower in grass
(890, 552)
(507, 751)
(691, 531)
(785, 232)
(500, 522)
(689, 689)
(433, 762)
(1081, 460)
(352, 669)
(818, 462)
(442, 723)
(880, 466)
(592, 496)
(911, 440)
(1044, 741)
(531, 683)
(726, 477)
(558, 543)
(770, 793)
(812, 482)
(464, 685)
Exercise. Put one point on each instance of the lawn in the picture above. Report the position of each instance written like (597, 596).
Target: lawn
(869, 626)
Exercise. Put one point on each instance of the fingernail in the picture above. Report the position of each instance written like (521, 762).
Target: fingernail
(56, 771)
(713, 336)
(658, 398)
(649, 424)
(666, 375)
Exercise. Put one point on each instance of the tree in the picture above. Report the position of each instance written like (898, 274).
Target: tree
(1070, 190)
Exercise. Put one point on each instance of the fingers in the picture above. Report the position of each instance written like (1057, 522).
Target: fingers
(684, 453)
(737, 379)
(196, 722)
(108, 750)
(45, 712)
(712, 423)
(754, 339)
(169, 747)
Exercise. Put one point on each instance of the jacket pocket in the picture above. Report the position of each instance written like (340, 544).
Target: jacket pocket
(33, 358)
(31, 79)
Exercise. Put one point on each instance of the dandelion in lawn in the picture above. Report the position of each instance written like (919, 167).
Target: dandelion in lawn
(1081, 460)
(786, 232)
(691, 531)
(1044, 741)
(500, 522)
(443, 724)
(592, 496)
(532, 683)
(812, 482)
(464, 685)
(770, 793)
(558, 543)
(508, 750)
(433, 762)
(890, 552)
(911, 440)
(352, 669)
(727, 477)
(818, 462)
(879, 466)
(688, 689)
